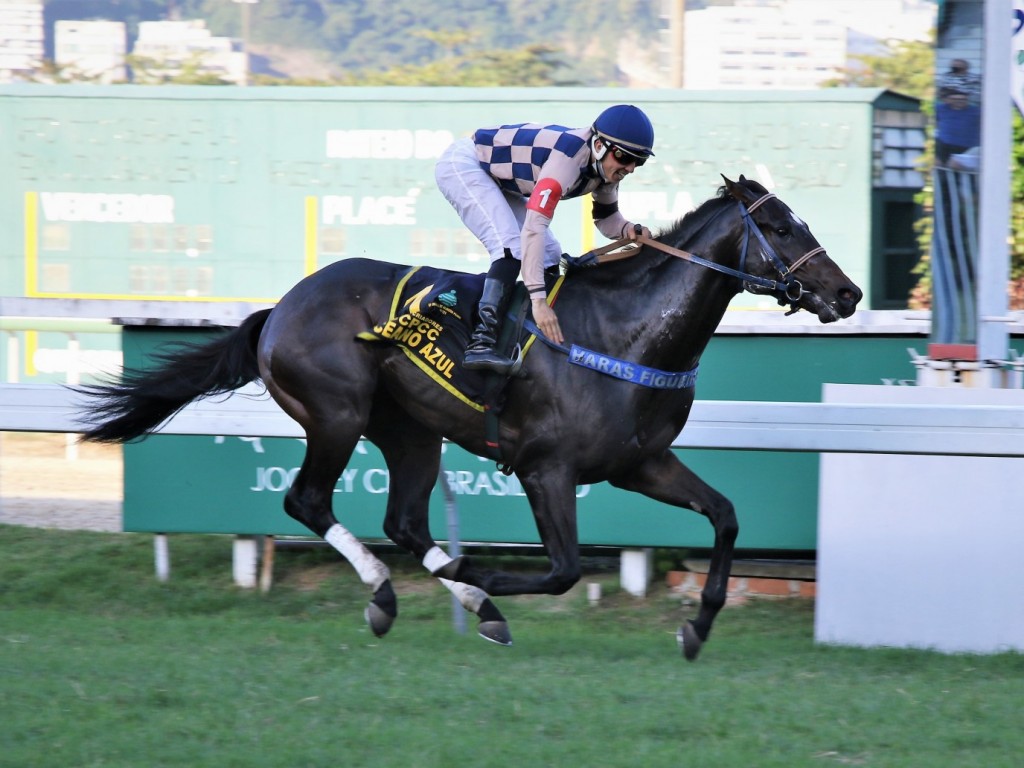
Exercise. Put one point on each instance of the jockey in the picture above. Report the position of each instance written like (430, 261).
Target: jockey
(505, 182)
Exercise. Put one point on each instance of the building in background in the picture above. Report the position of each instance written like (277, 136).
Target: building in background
(169, 47)
(91, 50)
(21, 39)
(775, 44)
(703, 44)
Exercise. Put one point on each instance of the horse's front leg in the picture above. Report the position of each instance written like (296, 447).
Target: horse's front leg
(551, 492)
(664, 478)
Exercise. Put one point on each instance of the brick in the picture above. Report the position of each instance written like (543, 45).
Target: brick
(774, 587)
(742, 587)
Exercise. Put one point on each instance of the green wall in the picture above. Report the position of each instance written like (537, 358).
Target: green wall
(185, 193)
(231, 485)
(216, 194)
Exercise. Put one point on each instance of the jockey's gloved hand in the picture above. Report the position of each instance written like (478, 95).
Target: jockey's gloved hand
(569, 263)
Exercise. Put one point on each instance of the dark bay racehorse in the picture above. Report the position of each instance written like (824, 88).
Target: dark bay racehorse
(563, 425)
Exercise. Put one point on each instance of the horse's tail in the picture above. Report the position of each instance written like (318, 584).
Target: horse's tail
(143, 399)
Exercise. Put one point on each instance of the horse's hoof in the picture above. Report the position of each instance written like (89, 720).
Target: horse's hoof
(688, 641)
(495, 631)
(378, 619)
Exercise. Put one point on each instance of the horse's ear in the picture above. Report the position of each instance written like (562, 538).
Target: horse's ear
(732, 187)
(742, 178)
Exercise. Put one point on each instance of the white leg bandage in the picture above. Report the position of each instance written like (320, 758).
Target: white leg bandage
(435, 559)
(371, 570)
(471, 598)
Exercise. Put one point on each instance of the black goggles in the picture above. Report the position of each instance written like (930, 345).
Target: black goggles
(624, 157)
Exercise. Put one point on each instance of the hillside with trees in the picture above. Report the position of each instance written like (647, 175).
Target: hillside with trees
(354, 39)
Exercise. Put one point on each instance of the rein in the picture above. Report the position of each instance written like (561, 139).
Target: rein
(789, 287)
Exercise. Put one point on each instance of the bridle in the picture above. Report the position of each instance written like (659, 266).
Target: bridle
(786, 288)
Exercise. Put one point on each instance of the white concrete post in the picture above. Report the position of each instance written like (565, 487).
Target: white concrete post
(73, 379)
(245, 556)
(13, 359)
(162, 557)
(636, 567)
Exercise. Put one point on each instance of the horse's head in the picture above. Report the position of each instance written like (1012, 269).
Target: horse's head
(805, 276)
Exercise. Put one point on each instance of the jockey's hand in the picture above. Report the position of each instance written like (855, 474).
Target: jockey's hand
(635, 230)
(546, 319)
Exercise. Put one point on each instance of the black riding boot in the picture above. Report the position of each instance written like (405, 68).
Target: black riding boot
(480, 354)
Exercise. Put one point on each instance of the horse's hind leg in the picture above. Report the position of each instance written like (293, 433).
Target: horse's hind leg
(309, 501)
(413, 456)
(666, 479)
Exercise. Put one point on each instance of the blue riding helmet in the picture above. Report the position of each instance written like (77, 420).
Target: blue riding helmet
(626, 127)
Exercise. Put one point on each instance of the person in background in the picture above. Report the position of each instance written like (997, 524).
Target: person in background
(957, 125)
(960, 78)
(505, 182)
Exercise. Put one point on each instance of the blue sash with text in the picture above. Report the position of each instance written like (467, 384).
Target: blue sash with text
(632, 372)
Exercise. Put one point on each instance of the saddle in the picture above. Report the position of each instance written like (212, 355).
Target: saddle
(432, 317)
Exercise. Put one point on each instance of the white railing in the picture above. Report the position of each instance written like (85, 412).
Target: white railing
(961, 430)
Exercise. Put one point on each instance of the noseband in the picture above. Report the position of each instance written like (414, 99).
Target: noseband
(789, 288)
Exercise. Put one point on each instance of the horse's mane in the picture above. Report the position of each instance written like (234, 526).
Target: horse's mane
(691, 222)
(680, 232)
(676, 235)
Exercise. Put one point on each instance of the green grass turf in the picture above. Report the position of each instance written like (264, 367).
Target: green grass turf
(101, 665)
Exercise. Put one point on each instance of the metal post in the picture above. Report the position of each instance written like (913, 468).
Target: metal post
(245, 35)
(994, 214)
(970, 255)
(454, 549)
(677, 33)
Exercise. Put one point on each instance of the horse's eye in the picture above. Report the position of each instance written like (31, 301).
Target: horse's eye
(782, 231)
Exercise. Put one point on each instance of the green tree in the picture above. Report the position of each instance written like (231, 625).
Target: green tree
(530, 66)
(52, 73)
(356, 36)
(906, 67)
(148, 71)
(1017, 214)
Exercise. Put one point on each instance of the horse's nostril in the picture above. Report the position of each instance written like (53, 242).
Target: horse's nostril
(850, 295)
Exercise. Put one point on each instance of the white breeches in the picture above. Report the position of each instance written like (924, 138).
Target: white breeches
(493, 215)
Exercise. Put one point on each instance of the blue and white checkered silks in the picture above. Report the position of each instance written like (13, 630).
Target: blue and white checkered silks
(514, 155)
